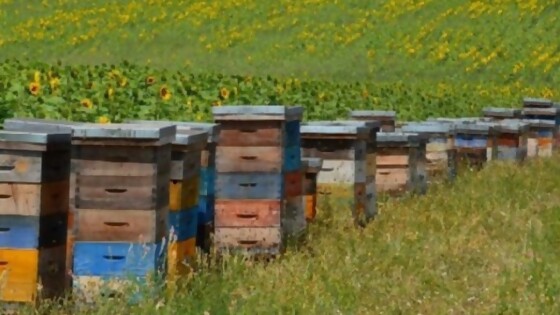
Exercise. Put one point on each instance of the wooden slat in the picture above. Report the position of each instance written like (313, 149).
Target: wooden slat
(249, 159)
(247, 213)
(248, 238)
(257, 133)
(34, 199)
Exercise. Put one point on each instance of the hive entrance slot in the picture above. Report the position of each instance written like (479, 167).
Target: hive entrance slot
(6, 168)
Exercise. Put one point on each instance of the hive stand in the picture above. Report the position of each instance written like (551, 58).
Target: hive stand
(122, 206)
(386, 118)
(344, 150)
(34, 187)
(440, 152)
(258, 179)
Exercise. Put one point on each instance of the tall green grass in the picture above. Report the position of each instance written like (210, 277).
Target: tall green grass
(488, 244)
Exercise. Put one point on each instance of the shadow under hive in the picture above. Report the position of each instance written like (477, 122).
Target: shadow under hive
(475, 144)
(344, 148)
(53, 126)
(540, 138)
(258, 179)
(122, 199)
(498, 113)
(385, 118)
(440, 152)
(34, 185)
(511, 138)
(183, 196)
(311, 168)
(398, 163)
(551, 114)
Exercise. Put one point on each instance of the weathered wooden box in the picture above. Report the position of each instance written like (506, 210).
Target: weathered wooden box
(343, 147)
(34, 187)
(475, 144)
(397, 163)
(535, 102)
(512, 140)
(549, 114)
(311, 168)
(440, 152)
(540, 138)
(385, 118)
(499, 113)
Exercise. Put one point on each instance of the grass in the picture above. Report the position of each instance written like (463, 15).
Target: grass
(485, 245)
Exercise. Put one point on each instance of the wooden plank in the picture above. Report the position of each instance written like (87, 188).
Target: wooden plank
(310, 207)
(117, 161)
(341, 171)
(293, 217)
(393, 160)
(293, 184)
(248, 237)
(310, 183)
(249, 186)
(182, 224)
(248, 213)
(181, 258)
(257, 112)
(121, 192)
(33, 166)
(22, 269)
(208, 156)
(34, 199)
(95, 225)
(256, 134)
(117, 259)
(393, 179)
(545, 147)
(185, 164)
(207, 178)
(23, 232)
(249, 159)
(333, 149)
(206, 209)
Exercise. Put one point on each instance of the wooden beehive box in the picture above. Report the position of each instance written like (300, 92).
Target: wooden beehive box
(53, 126)
(343, 148)
(122, 200)
(34, 187)
(540, 138)
(258, 179)
(440, 152)
(387, 119)
(534, 102)
(311, 167)
(498, 113)
(551, 114)
(512, 139)
(397, 163)
(475, 144)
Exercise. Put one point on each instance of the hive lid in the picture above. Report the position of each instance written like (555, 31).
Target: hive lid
(39, 125)
(257, 112)
(537, 102)
(542, 111)
(339, 129)
(187, 133)
(501, 112)
(540, 123)
(373, 114)
(368, 124)
(512, 126)
(41, 138)
(478, 127)
(427, 127)
(406, 138)
(162, 134)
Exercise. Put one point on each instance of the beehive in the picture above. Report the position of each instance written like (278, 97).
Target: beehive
(540, 138)
(440, 152)
(34, 187)
(475, 144)
(546, 114)
(387, 119)
(512, 140)
(258, 179)
(344, 150)
(311, 167)
(122, 202)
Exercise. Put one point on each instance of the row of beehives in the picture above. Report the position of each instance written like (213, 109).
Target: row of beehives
(132, 186)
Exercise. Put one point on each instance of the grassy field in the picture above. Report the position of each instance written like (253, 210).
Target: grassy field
(486, 245)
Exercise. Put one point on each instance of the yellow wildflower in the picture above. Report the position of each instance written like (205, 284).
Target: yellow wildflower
(224, 93)
(37, 77)
(164, 93)
(103, 120)
(217, 103)
(150, 80)
(87, 103)
(110, 92)
(34, 88)
(54, 83)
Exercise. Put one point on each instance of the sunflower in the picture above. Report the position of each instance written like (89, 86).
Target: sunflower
(34, 88)
(164, 93)
(87, 103)
(224, 93)
(103, 120)
(150, 80)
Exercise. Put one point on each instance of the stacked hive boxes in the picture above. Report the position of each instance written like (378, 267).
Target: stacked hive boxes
(543, 109)
(53, 126)
(183, 195)
(344, 148)
(34, 184)
(512, 140)
(440, 153)
(397, 163)
(311, 167)
(498, 113)
(122, 202)
(540, 137)
(385, 118)
(475, 143)
(258, 178)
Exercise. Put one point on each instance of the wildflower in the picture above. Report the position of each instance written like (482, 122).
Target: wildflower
(110, 92)
(150, 80)
(37, 77)
(217, 103)
(34, 88)
(199, 117)
(54, 83)
(164, 93)
(224, 93)
(123, 82)
(87, 103)
(103, 120)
